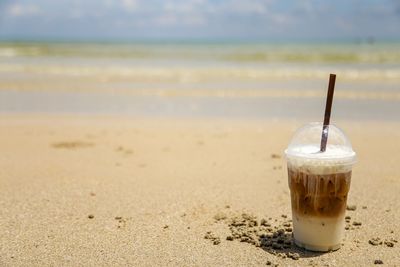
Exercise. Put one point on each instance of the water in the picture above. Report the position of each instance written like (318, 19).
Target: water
(267, 80)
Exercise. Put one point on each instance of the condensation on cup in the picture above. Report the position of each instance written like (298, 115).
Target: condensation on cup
(319, 183)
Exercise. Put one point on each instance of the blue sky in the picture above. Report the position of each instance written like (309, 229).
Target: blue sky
(200, 19)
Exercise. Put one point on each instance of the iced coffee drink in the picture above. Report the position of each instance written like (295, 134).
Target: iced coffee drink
(319, 183)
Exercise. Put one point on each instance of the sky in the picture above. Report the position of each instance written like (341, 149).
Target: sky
(200, 19)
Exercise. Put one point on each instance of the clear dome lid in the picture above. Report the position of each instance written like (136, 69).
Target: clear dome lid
(305, 144)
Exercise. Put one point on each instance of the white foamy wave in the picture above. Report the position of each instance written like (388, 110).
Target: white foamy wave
(190, 74)
(8, 52)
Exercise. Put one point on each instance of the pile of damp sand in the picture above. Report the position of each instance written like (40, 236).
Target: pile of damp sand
(274, 235)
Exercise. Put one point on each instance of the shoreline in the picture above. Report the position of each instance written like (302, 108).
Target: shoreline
(277, 108)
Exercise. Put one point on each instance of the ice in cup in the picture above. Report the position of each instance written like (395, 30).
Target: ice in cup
(319, 183)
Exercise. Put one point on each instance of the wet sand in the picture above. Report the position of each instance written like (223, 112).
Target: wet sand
(114, 191)
(202, 104)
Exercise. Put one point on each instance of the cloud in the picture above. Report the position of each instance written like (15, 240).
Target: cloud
(129, 5)
(247, 7)
(188, 6)
(22, 10)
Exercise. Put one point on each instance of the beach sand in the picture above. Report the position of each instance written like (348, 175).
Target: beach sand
(115, 191)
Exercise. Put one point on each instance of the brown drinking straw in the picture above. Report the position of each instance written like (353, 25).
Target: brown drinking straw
(328, 108)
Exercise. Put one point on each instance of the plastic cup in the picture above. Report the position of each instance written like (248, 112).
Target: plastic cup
(319, 183)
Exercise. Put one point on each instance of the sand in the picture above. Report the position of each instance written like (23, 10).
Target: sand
(113, 191)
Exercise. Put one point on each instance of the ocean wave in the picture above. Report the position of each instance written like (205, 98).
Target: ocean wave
(202, 74)
(8, 52)
(236, 53)
(316, 57)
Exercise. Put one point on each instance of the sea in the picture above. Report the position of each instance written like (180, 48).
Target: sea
(201, 79)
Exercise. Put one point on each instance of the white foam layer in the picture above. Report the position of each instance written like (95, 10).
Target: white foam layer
(312, 151)
(318, 234)
(309, 159)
